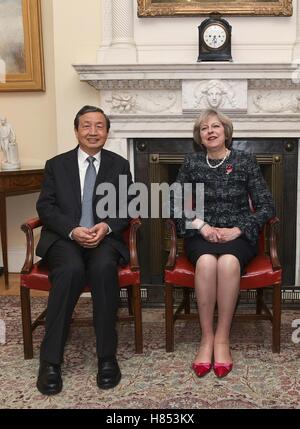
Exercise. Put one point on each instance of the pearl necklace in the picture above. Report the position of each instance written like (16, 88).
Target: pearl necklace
(220, 163)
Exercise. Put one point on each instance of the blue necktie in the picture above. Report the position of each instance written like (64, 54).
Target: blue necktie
(87, 216)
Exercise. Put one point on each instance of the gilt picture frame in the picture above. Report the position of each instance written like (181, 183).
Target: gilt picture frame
(21, 46)
(157, 8)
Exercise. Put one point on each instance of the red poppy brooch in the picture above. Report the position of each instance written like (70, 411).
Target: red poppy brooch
(229, 169)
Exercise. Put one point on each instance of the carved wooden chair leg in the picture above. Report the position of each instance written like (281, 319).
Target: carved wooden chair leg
(169, 317)
(276, 322)
(138, 319)
(26, 323)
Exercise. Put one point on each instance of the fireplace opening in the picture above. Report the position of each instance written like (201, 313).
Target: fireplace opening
(158, 160)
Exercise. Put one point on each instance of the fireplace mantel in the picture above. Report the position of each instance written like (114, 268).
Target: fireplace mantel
(161, 100)
(104, 76)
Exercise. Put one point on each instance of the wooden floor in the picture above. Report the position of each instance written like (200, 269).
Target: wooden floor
(14, 287)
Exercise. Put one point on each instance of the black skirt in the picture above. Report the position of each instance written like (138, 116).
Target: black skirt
(197, 246)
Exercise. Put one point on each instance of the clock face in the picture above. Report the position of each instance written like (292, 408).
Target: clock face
(215, 36)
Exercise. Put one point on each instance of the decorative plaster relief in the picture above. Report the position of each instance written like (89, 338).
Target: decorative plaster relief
(274, 102)
(141, 102)
(127, 84)
(273, 84)
(226, 95)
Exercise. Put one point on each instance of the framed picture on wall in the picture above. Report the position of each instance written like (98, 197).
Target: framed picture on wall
(21, 47)
(149, 8)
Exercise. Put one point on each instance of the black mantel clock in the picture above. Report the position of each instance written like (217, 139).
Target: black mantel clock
(214, 39)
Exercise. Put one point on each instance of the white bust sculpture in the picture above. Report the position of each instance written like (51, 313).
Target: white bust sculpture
(8, 146)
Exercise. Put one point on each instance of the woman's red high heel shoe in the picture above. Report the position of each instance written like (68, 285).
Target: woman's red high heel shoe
(201, 369)
(222, 369)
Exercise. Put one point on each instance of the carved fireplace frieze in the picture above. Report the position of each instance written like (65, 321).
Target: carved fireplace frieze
(225, 94)
(274, 102)
(141, 102)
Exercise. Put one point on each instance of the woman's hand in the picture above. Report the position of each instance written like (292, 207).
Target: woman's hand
(227, 234)
(209, 233)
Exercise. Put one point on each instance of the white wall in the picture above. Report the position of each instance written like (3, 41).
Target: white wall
(254, 38)
(76, 39)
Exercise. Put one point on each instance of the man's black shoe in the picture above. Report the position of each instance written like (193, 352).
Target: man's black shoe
(109, 374)
(49, 381)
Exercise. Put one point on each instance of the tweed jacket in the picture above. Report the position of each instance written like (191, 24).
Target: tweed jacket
(227, 189)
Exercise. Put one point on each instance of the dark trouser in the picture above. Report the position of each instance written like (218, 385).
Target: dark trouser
(71, 268)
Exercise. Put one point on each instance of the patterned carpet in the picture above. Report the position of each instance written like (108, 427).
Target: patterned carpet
(154, 380)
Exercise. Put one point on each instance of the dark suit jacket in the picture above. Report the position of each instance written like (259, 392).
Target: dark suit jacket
(59, 203)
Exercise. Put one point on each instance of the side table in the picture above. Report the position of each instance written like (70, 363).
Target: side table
(25, 180)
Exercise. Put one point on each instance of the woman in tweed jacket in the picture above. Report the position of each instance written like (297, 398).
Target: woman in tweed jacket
(222, 243)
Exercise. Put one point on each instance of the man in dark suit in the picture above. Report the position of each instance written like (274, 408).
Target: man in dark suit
(79, 247)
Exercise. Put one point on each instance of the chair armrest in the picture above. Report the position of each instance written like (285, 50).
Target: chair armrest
(171, 228)
(273, 225)
(28, 227)
(134, 226)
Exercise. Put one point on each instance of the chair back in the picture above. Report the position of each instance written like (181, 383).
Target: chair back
(125, 235)
(261, 242)
(261, 238)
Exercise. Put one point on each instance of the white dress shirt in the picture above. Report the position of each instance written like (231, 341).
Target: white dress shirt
(83, 165)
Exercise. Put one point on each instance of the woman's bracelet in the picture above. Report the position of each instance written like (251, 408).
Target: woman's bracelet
(204, 223)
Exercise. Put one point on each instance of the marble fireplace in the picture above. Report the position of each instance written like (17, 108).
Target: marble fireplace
(158, 100)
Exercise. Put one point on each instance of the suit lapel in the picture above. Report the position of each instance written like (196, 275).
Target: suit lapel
(71, 165)
(105, 167)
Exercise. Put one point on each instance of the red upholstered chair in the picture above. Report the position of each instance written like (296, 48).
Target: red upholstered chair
(35, 276)
(262, 272)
